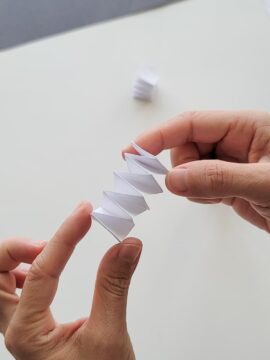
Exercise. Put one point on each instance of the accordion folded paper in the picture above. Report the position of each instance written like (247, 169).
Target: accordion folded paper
(126, 199)
(145, 84)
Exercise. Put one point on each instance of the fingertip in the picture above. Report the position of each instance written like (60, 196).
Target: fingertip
(169, 184)
(16, 250)
(130, 251)
(75, 227)
(133, 241)
(39, 244)
(123, 154)
(128, 150)
(83, 212)
(83, 207)
(20, 274)
(176, 180)
(125, 151)
(86, 209)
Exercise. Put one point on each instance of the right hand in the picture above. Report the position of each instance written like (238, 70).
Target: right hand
(218, 156)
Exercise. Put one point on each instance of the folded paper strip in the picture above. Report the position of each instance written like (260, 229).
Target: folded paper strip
(126, 199)
(145, 84)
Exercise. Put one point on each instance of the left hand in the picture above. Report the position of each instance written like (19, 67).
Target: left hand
(33, 333)
(13, 252)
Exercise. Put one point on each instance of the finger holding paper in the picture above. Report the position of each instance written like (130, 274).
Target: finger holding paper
(218, 156)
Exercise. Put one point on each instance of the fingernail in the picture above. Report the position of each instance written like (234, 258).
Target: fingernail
(178, 180)
(129, 253)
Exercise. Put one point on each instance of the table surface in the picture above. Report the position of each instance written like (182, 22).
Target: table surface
(202, 289)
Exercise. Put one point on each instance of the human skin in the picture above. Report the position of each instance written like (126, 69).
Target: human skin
(218, 157)
(31, 332)
(13, 252)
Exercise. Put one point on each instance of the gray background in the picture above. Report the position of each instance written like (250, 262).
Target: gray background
(23, 21)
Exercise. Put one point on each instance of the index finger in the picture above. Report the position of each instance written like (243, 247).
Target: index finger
(202, 127)
(42, 280)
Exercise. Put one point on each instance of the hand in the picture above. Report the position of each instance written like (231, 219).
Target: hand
(33, 333)
(218, 156)
(13, 252)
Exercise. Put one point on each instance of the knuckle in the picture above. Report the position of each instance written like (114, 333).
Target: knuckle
(217, 178)
(191, 117)
(37, 271)
(116, 284)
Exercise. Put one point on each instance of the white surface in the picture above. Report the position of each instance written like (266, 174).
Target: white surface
(202, 290)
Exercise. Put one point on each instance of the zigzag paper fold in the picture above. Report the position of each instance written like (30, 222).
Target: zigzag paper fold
(127, 200)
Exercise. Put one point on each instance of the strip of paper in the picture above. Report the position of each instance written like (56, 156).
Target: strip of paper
(126, 199)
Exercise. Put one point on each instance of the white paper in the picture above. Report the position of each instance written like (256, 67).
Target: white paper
(127, 200)
(145, 84)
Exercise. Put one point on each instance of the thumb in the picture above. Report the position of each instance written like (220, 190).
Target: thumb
(112, 284)
(220, 179)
